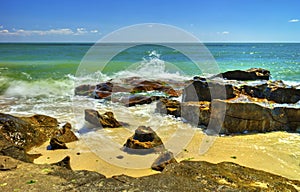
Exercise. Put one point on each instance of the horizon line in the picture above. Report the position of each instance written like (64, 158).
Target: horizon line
(89, 42)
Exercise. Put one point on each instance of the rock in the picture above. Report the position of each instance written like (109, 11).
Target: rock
(147, 85)
(84, 90)
(144, 141)
(163, 160)
(136, 100)
(275, 91)
(183, 176)
(27, 132)
(57, 144)
(7, 163)
(66, 135)
(105, 120)
(65, 163)
(196, 113)
(170, 107)
(239, 117)
(250, 74)
(206, 91)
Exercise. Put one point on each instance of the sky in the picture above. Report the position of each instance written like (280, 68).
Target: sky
(208, 20)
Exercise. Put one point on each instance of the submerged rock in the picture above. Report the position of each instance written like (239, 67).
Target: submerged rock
(105, 120)
(250, 74)
(84, 90)
(163, 160)
(133, 100)
(144, 141)
(147, 85)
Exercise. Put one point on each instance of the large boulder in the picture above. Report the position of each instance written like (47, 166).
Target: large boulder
(200, 90)
(250, 74)
(275, 91)
(105, 120)
(230, 116)
(20, 134)
(28, 132)
(144, 141)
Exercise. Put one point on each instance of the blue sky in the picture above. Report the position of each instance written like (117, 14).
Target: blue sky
(209, 20)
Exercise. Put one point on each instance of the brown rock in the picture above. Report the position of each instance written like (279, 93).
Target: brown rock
(105, 120)
(250, 74)
(27, 132)
(147, 85)
(274, 91)
(57, 144)
(85, 90)
(65, 163)
(144, 141)
(163, 160)
(239, 117)
(206, 91)
(8, 163)
(66, 135)
(170, 107)
(136, 100)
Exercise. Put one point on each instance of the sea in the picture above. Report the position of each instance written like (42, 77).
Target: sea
(40, 78)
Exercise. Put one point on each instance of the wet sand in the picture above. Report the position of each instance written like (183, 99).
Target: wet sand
(276, 152)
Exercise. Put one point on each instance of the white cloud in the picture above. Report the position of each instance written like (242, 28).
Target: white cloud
(63, 31)
(80, 31)
(294, 21)
(1, 26)
(225, 32)
(4, 31)
(94, 31)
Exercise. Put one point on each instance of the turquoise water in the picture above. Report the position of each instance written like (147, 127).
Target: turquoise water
(33, 66)
(37, 61)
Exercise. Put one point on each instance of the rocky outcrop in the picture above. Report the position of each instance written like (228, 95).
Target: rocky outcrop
(275, 91)
(240, 117)
(144, 141)
(184, 176)
(200, 90)
(27, 132)
(250, 74)
(105, 120)
(169, 107)
(163, 160)
(20, 134)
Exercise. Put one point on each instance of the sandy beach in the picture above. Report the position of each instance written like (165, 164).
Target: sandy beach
(275, 152)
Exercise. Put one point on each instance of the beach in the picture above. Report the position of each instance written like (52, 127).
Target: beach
(48, 79)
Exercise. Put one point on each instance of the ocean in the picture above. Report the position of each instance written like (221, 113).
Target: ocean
(39, 78)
